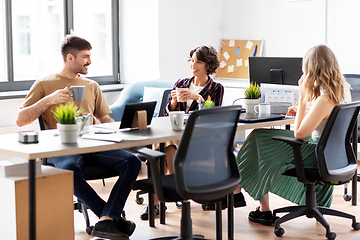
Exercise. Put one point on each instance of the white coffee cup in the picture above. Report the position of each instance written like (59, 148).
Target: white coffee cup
(179, 91)
(263, 108)
(177, 120)
(77, 93)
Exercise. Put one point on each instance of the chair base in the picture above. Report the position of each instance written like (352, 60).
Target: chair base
(186, 225)
(316, 212)
(194, 237)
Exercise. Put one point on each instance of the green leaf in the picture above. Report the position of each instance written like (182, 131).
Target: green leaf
(66, 114)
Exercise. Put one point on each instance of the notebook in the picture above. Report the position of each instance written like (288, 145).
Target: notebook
(253, 117)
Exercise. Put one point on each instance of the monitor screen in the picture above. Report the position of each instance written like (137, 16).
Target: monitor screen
(275, 70)
(130, 110)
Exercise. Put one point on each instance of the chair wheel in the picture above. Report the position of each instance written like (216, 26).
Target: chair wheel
(89, 229)
(347, 197)
(139, 200)
(356, 225)
(279, 232)
(331, 235)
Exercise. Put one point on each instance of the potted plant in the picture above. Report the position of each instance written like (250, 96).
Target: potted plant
(252, 97)
(66, 115)
(209, 103)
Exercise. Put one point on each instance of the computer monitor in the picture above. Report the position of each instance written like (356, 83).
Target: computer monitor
(275, 70)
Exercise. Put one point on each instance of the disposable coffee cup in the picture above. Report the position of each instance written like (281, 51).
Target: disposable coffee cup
(77, 93)
(177, 120)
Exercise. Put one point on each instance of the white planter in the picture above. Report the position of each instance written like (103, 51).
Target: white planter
(249, 104)
(69, 133)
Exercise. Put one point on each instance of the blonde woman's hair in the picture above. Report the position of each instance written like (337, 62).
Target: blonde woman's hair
(322, 75)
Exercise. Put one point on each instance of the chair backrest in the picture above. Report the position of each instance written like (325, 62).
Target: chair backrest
(205, 166)
(335, 154)
(354, 81)
(133, 93)
(165, 99)
(41, 123)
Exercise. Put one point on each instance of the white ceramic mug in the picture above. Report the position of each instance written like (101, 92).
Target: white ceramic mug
(263, 108)
(177, 120)
(178, 93)
(77, 93)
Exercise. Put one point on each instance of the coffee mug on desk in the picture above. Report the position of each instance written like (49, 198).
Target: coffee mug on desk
(177, 120)
(77, 93)
(263, 108)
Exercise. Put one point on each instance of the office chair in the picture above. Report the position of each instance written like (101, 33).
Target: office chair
(205, 167)
(138, 198)
(90, 173)
(336, 162)
(165, 99)
(354, 81)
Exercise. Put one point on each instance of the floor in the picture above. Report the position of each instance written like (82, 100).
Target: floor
(204, 221)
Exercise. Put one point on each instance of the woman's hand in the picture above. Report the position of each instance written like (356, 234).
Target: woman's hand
(301, 88)
(292, 110)
(188, 95)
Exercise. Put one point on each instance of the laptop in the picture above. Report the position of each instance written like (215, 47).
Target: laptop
(254, 117)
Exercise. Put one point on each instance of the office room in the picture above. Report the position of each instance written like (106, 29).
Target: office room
(155, 37)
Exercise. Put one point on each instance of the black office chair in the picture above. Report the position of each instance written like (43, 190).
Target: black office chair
(90, 173)
(138, 198)
(336, 162)
(205, 166)
(354, 81)
(165, 99)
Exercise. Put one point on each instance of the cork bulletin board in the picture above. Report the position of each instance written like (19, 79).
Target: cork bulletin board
(234, 57)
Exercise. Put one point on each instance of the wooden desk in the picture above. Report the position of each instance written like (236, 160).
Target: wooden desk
(50, 146)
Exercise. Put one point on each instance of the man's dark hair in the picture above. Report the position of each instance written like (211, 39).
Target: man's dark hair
(73, 44)
(208, 55)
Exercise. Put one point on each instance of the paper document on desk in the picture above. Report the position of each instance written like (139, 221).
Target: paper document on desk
(103, 137)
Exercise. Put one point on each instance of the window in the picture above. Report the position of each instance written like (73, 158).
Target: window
(31, 32)
(2, 42)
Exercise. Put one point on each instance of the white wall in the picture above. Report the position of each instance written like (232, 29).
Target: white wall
(344, 33)
(288, 28)
(184, 25)
(139, 40)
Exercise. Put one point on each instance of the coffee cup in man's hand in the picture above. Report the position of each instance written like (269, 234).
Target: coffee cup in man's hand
(77, 93)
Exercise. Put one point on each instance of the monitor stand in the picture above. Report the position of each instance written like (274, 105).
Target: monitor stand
(140, 120)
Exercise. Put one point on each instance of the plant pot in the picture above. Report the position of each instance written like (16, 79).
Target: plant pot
(69, 133)
(249, 104)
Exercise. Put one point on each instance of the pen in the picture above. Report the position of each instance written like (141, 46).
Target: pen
(84, 122)
(290, 110)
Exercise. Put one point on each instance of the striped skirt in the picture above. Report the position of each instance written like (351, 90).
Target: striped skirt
(262, 161)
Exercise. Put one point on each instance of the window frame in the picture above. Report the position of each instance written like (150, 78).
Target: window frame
(12, 85)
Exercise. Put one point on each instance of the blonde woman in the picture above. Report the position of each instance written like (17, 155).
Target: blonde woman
(262, 161)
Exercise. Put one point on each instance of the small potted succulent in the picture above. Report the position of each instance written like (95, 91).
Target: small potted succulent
(209, 103)
(67, 126)
(252, 97)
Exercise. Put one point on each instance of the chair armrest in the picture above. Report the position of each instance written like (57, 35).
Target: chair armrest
(296, 146)
(153, 156)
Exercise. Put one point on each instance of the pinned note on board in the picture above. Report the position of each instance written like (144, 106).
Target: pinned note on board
(249, 44)
(239, 62)
(236, 53)
(222, 64)
(231, 68)
(231, 43)
(226, 55)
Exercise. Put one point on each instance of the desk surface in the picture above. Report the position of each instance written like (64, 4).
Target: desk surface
(51, 146)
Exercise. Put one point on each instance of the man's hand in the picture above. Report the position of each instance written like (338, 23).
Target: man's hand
(59, 96)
